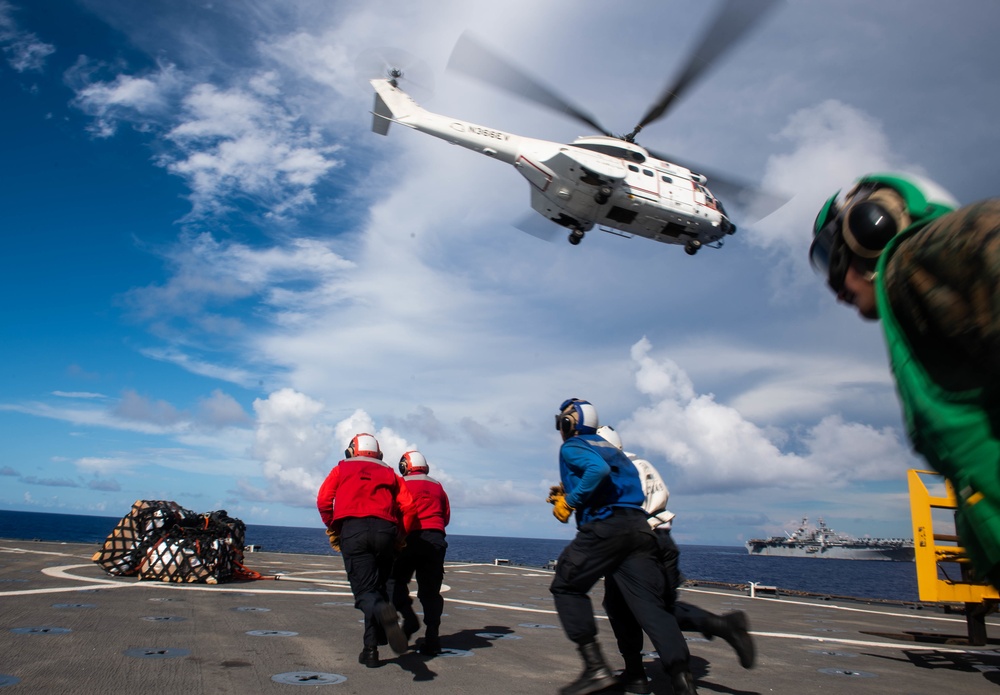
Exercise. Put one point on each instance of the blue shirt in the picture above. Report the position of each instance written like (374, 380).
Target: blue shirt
(597, 477)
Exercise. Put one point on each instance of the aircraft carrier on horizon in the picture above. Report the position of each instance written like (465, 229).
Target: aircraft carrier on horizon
(824, 542)
(68, 627)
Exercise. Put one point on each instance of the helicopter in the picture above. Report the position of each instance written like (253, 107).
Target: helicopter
(601, 180)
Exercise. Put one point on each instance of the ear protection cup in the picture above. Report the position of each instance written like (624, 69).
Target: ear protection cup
(566, 424)
(870, 221)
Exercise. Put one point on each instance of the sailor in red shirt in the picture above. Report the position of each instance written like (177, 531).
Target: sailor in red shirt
(424, 553)
(367, 509)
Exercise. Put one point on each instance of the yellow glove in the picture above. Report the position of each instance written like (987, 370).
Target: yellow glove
(555, 491)
(334, 539)
(561, 510)
(557, 498)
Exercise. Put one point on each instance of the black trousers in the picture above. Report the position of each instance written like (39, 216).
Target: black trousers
(423, 556)
(628, 631)
(689, 616)
(367, 546)
(623, 549)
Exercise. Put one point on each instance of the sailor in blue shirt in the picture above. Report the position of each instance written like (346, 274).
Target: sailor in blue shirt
(602, 486)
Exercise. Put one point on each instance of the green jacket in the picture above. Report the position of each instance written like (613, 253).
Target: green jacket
(938, 294)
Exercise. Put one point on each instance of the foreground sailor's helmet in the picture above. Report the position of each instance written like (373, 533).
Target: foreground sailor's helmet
(363, 444)
(608, 433)
(576, 416)
(413, 462)
(861, 223)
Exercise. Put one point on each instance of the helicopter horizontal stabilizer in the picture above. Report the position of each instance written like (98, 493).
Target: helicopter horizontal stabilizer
(381, 116)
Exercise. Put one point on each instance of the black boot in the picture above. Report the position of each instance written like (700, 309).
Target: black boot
(369, 657)
(682, 682)
(734, 628)
(387, 617)
(633, 679)
(596, 675)
(431, 646)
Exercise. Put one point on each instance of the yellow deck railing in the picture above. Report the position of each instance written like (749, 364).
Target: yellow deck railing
(932, 548)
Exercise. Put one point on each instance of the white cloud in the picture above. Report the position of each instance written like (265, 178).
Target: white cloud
(77, 394)
(23, 49)
(716, 449)
(141, 101)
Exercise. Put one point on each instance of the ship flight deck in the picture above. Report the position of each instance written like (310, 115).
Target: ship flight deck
(68, 627)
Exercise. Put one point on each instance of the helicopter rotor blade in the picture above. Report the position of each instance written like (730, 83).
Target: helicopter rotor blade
(732, 22)
(473, 59)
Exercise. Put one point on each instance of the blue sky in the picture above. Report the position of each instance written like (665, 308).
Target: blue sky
(214, 273)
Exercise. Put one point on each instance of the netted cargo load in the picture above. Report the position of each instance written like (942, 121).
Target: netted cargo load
(210, 551)
(136, 533)
(163, 541)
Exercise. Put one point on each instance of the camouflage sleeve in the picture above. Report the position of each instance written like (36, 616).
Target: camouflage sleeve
(944, 287)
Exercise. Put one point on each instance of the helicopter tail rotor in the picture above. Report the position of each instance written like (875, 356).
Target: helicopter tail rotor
(396, 65)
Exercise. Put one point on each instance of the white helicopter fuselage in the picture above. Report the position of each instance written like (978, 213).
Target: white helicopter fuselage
(596, 180)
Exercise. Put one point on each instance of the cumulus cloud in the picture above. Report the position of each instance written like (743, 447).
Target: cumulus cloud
(293, 443)
(714, 448)
(7, 470)
(241, 141)
(831, 144)
(23, 49)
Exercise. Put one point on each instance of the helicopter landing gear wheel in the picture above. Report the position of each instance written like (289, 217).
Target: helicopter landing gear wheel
(603, 195)
(691, 248)
(575, 237)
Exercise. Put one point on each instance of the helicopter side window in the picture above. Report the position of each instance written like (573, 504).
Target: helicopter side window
(633, 167)
(667, 179)
(647, 172)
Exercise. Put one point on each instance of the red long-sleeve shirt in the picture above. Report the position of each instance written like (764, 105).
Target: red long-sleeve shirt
(362, 487)
(433, 509)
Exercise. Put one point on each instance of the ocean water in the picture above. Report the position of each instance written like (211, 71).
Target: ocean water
(870, 579)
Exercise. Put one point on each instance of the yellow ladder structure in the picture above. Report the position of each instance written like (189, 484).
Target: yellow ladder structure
(932, 548)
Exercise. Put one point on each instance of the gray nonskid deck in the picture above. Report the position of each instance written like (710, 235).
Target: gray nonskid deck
(69, 627)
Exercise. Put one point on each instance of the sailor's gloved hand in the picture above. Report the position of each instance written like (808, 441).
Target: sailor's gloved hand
(557, 498)
(561, 510)
(334, 539)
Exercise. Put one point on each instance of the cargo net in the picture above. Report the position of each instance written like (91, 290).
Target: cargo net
(163, 541)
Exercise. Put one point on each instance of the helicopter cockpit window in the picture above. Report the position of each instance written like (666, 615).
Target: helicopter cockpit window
(633, 167)
(612, 151)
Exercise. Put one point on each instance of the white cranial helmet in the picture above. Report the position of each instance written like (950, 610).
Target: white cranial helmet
(608, 433)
